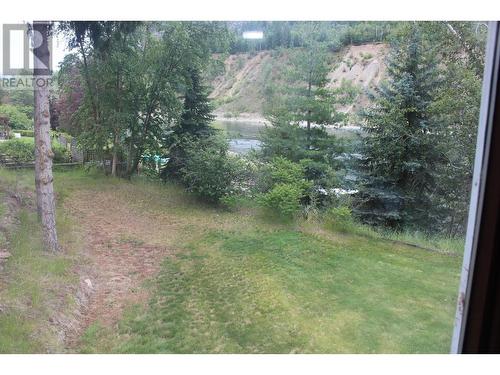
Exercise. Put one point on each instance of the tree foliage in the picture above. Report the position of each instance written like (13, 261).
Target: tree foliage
(401, 151)
(16, 118)
(132, 74)
(209, 171)
(421, 132)
(289, 34)
(194, 122)
(285, 187)
(304, 104)
(456, 110)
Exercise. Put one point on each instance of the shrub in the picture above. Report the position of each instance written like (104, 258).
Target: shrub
(24, 132)
(17, 118)
(283, 171)
(23, 150)
(283, 199)
(27, 110)
(61, 154)
(284, 186)
(229, 202)
(340, 219)
(210, 172)
(320, 172)
(19, 150)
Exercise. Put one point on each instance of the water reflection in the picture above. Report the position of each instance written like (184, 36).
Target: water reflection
(243, 146)
(244, 135)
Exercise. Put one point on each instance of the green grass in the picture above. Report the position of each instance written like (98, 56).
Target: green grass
(34, 284)
(337, 221)
(238, 283)
(280, 291)
(35, 281)
(452, 245)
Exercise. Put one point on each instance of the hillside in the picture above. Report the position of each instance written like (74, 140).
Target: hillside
(246, 85)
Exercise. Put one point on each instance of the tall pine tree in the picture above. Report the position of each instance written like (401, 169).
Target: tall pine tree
(302, 107)
(194, 123)
(456, 109)
(401, 149)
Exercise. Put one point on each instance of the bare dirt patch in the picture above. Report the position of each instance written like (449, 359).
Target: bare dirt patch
(120, 257)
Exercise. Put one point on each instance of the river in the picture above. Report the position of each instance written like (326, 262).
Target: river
(244, 135)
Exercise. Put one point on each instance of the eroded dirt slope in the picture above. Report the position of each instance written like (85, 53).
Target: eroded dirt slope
(243, 89)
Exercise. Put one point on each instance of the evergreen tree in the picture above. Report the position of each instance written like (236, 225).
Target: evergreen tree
(314, 149)
(401, 150)
(461, 47)
(307, 98)
(194, 123)
(301, 109)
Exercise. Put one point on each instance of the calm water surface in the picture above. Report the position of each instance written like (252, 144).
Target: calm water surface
(244, 135)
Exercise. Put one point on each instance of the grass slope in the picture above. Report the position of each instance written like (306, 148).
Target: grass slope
(282, 291)
(238, 283)
(35, 286)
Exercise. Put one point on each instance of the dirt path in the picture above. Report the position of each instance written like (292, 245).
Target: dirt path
(118, 258)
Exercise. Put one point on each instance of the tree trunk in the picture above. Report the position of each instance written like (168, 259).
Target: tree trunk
(43, 149)
(116, 138)
(308, 131)
(93, 99)
(115, 155)
(134, 166)
(113, 163)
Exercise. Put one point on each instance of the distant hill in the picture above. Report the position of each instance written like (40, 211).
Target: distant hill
(246, 84)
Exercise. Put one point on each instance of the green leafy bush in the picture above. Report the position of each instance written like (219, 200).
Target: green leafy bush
(19, 150)
(315, 151)
(284, 187)
(27, 110)
(283, 199)
(17, 118)
(61, 154)
(24, 132)
(210, 172)
(283, 171)
(22, 150)
(340, 219)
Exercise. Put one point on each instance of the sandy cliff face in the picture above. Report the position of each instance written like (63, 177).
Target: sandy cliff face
(241, 91)
(364, 67)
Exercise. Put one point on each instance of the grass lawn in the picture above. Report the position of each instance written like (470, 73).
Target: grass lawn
(282, 291)
(238, 283)
(33, 285)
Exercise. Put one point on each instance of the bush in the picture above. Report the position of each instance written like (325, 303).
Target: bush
(283, 199)
(17, 118)
(61, 154)
(19, 150)
(283, 171)
(27, 110)
(23, 151)
(321, 173)
(24, 132)
(284, 186)
(340, 219)
(210, 172)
